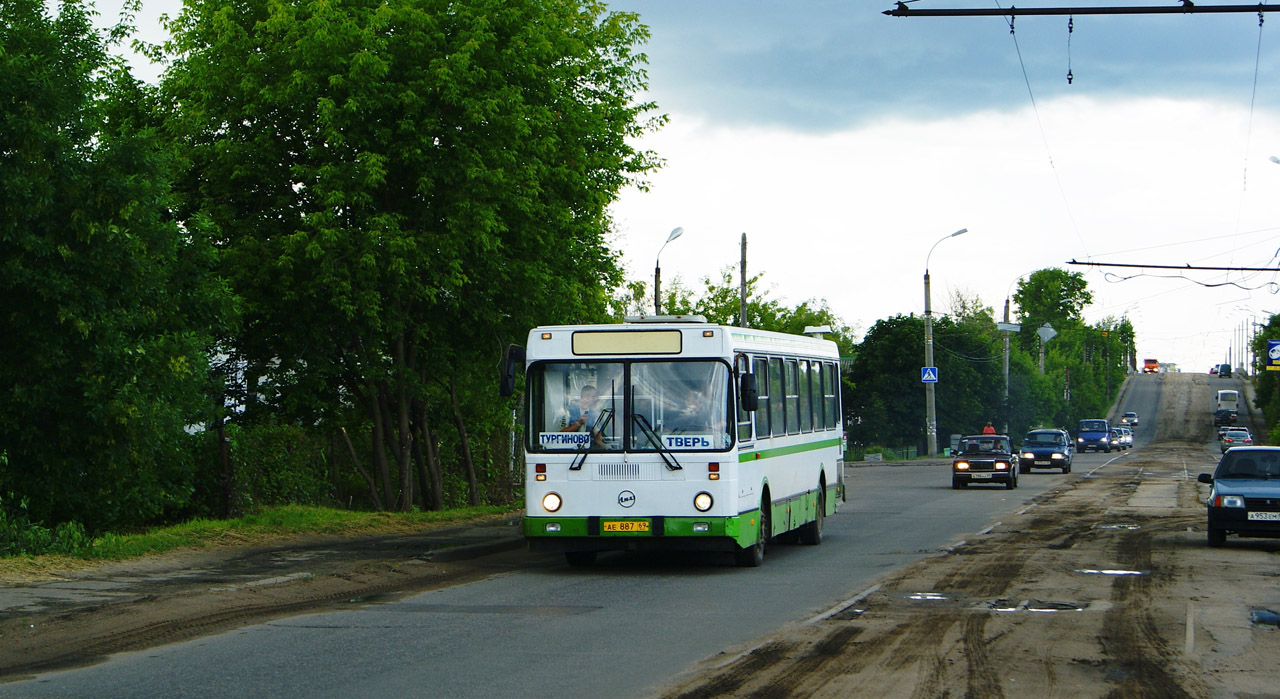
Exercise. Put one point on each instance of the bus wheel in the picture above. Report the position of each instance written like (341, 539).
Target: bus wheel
(580, 559)
(811, 533)
(753, 556)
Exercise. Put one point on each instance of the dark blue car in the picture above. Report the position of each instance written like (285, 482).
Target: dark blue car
(1245, 499)
(1093, 435)
(1046, 449)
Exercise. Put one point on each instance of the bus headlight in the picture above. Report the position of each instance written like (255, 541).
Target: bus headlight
(551, 502)
(702, 501)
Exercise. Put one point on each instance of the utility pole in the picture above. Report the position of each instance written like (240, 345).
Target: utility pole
(742, 289)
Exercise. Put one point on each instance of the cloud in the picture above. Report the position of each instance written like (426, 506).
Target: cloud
(829, 65)
(849, 216)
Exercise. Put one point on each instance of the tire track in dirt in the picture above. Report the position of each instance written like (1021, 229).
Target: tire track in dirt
(1145, 663)
(740, 672)
(982, 673)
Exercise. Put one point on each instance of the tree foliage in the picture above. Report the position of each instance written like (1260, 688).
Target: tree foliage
(107, 303)
(1054, 296)
(1084, 367)
(400, 187)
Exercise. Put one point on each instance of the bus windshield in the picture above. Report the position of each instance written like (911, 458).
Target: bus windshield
(644, 405)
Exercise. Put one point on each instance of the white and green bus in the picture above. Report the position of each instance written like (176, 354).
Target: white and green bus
(669, 433)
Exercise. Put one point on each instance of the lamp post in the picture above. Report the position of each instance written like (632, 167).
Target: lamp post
(931, 416)
(657, 272)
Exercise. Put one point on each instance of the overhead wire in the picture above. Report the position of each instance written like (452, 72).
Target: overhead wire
(1043, 136)
(1248, 138)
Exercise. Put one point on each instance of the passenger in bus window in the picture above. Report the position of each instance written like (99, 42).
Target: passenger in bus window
(581, 414)
(699, 415)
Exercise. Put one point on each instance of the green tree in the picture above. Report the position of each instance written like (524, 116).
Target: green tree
(402, 186)
(1054, 296)
(107, 305)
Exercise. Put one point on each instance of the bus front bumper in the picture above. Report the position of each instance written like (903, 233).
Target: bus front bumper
(654, 533)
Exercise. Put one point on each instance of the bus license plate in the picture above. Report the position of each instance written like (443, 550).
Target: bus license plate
(1265, 516)
(981, 476)
(626, 526)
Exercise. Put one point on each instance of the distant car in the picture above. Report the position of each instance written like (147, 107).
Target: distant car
(1224, 417)
(1224, 371)
(1129, 419)
(984, 458)
(1223, 429)
(1117, 442)
(1236, 438)
(1126, 437)
(1046, 449)
(1245, 499)
(1093, 435)
(1213, 369)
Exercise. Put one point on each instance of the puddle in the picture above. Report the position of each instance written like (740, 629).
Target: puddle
(1265, 617)
(373, 598)
(1036, 605)
(1092, 571)
(927, 597)
(1126, 527)
(848, 614)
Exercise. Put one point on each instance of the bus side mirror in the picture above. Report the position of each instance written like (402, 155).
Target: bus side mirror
(511, 360)
(749, 393)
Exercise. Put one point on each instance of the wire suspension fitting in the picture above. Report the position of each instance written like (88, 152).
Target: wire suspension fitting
(1071, 27)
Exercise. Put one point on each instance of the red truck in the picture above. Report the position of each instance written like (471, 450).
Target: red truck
(1150, 366)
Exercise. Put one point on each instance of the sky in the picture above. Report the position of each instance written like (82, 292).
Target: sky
(846, 144)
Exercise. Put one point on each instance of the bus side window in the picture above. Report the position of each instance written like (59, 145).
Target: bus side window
(762, 383)
(831, 395)
(792, 391)
(776, 398)
(744, 418)
(806, 404)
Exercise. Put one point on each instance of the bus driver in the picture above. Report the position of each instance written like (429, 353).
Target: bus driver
(582, 413)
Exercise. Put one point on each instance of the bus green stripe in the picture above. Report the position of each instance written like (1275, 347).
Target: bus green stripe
(783, 451)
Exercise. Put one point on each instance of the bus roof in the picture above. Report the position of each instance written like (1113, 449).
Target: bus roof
(662, 336)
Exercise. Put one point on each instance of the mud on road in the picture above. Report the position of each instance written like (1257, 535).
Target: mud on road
(1102, 587)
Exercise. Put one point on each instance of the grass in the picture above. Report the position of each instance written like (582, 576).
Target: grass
(268, 525)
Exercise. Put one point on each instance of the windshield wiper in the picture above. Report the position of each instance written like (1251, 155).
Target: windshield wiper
(667, 457)
(602, 421)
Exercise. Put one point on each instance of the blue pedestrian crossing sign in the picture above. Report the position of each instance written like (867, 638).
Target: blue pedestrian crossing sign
(1273, 355)
(929, 374)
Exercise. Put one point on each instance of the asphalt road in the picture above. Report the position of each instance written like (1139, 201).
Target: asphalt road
(624, 628)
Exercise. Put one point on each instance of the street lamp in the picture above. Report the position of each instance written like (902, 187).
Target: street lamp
(931, 416)
(657, 272)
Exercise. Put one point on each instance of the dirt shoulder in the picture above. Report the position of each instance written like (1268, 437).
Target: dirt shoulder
(1103, 587)
(85, 613)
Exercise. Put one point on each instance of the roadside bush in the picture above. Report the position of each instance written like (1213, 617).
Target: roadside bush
(20, 536)
(277, 464)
